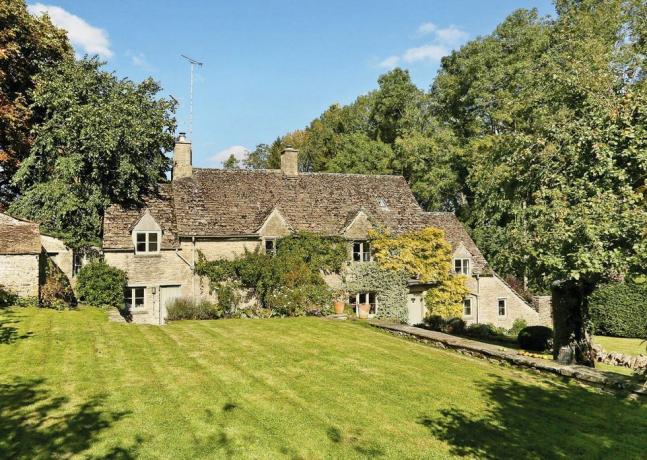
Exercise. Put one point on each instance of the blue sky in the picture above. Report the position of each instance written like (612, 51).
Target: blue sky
(271, 66)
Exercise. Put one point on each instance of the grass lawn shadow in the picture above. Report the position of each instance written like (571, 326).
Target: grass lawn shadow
(37, 424)
(555, 420)
(8, 333)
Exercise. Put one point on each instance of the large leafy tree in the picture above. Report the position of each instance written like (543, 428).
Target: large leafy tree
(102, 140)
(553, 115)
(28, 45)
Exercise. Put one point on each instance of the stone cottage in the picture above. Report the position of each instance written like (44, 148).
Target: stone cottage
(23, 250)
(220, 213)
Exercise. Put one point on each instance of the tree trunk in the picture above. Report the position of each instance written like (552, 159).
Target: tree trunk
(572, 335)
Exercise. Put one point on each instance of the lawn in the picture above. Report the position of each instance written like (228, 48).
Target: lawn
(75, 385)
(633, 347)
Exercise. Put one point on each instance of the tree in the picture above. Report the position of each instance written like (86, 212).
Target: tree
(257, 159)
(101, 140)
(553, 112)
(28, 45)
(231, 163)
(358, 154)
(396, 95)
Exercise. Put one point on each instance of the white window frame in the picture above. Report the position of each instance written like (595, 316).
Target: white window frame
(147, 241)
(471, 310)
(465, 266)
(505, 307)
(269, 240)
(364, 254)
(133, 298)
(354, 301)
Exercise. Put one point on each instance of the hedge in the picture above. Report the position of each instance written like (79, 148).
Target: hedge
(619, 310)
(102, 285)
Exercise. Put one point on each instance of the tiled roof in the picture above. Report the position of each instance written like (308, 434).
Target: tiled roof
(455, 232)
(216, 202)
(220, 203)
(18, 236)
(118, 221)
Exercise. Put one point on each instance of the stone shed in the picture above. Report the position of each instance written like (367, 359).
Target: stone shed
(20, 250)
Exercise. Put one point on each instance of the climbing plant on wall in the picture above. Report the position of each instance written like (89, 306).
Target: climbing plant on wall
(426, 256)
(390, 287)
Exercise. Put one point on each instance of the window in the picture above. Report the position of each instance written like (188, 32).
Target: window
(502, 307)
(462, 266)
(361, 251)
(77, 262)
(146, 242)
(270, 246)
(363, 298)
(134, 298)
(467, 307)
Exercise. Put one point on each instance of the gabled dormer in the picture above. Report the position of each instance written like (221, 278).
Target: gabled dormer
(147, 235)
(274, 226)
(462, 262)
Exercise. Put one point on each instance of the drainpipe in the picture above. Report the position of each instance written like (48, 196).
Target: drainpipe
(478, 292)
(193, 268)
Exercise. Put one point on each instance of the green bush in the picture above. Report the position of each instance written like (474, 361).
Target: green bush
(517, 326)
(308, 299)
(102, 285)
(289, 282)
(450, 326)
(185, 308)
(485, 331)
(7, 298)
(619, 310)
(535, 338)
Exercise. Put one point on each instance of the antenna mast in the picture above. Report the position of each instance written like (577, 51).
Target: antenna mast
(193, 63)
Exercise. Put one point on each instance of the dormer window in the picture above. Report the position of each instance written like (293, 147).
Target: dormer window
(147, 242)
(361, 251)
(147, 235)
(270, 246)
(462, 266)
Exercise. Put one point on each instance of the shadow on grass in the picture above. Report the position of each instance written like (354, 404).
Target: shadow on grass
(551, 421)
(35, 424)
(8, 333)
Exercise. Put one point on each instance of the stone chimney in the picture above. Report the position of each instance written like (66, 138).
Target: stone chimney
(290, 161)
(182, 165)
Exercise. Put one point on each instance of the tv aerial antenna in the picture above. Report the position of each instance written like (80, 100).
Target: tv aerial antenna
(192, 63)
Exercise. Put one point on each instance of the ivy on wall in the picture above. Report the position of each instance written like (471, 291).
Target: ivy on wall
(426, 256)
(390, 287)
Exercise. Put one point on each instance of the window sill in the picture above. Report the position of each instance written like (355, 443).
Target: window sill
(147, 254)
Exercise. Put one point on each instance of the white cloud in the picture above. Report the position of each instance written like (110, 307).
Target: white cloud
(441, 42)
(426, 28)
(139, 60)
(425, 53)
(90, 39)
(238, 151)
(390, 63)
(451, 35)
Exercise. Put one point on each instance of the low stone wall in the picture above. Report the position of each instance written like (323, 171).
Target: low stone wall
(637, 363)
(500, 354)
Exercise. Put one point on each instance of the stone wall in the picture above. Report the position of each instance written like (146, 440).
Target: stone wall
(486, 292)
(543, 305)
(59, 253)
(19, 274)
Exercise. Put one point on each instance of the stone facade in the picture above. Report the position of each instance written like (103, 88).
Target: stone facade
(486, 292)
(223, 213)
(19, 274)
(60, 254)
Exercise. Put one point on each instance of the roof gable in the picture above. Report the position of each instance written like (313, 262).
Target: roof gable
(358, 227)
(275, 225)
(147, 223)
